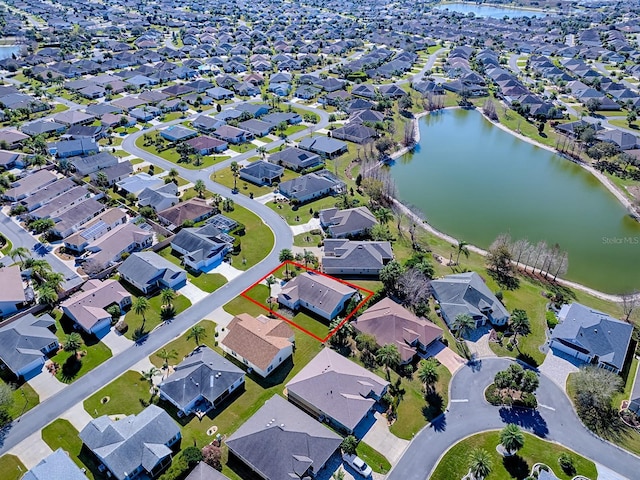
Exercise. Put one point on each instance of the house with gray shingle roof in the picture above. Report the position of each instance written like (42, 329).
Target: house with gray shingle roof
(26, 342)
(335, 389)
(58, 465)
(296, 158)
(134, 445)
(12, 292)
(592, 336)
(466, 293)
(310, 186)
(318, 293)
(280, 441)
(347, 223)
(202, 248)
(201, 382)
(350, 257)
(148, 271)
(202, 471)
(324, 146)
(262, 173)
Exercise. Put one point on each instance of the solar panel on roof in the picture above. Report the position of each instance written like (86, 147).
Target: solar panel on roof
(93, 229)
(222, 223)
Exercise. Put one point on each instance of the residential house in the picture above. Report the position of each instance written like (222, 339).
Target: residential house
(73, 148)
(43, 127)
(261, 343)
(9, 160)
(296, 159)
(26, 342)
(320, 294)
(12, 293)
(232, 134)
(47, 193)
(177, 133)
(74, 117)
(311, 186)
(70, 220)
(133, 446)
(159, 198)
(193, 210)
(108, 249)
(92, 163)
(392, 324)
(326, 147)
(466, 293)
(94, 229)
(592, 337)
(87, 308)
(202, 248)
(281, 441)
(257, 128)
(203, 471)
(138, 182)
(61, 203)
(336, 390)
(205, 123)
(262, 173)
(350, 257)
(355, 132)
(205, 145)
(114, 174)
(624, 140)
(148, 271)
(56, 465)
(201, 382)
(350, 222)
(220, 93)
(29, 184)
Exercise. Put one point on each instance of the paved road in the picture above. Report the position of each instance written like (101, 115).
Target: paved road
(20, 238)
(469, 413)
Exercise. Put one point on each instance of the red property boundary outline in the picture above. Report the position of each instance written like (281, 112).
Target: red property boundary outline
(291, 322)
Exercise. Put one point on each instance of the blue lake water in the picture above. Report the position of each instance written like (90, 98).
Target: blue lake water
(488, 10)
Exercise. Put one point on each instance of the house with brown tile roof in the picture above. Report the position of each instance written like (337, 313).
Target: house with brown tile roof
(321, 294)
(194, 210)
(12, 291)
(332, 388)
(391, 323)
(88, 307)
(261, 343)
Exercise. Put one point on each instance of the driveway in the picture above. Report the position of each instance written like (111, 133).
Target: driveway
(380, 438)
(478, 342)
(77, 416)
(46, 385)
(193, 293)
(313, 224)
(31, 450)
(117, 343)
(227, 271)
(445, 356)
(557, 366)
(220, 316)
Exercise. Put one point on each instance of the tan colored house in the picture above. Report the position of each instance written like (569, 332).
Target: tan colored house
(261, 343)
(391, 323)
(194, 210)
(88, 307)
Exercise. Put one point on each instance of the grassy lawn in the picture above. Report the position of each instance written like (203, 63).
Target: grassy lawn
(241, 305)
(125, 396)
(257, 241)
(225, 177)
(172, 155)
(11, 467)
(264, 139)
(24, 396)
(152, 315)
(61, 434)
(621, 183)
(454, 464)
(622, 122)
(307, 240)
(96, 352)
(241, 148)
(8, 246)
(376, 460)
(291, 129)
(415, 411)
(302, 214)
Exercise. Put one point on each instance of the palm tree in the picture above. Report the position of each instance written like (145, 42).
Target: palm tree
(383, 215)
(462, 248)
(511, 438)
(41, 268)
(54, 280)
(520, 324)
(479, 463)
(149, 374)
(389, 357)
(72, 343)
(428, 373)
(140, 307)
(235, 169)
(47, 295)
(463, 324)
(271, 280)
(200, 188)
(19, 252)
(173, 174)
(342, 334)
(308, 257)
(167, 295)
(286, 255)
(167, 355)
(197, 332)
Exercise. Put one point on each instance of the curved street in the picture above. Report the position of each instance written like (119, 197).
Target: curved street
(469, 413)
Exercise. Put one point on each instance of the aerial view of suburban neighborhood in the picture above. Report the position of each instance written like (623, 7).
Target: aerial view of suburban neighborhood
(319, 240)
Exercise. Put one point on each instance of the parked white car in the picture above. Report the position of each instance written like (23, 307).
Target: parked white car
(357, 464)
